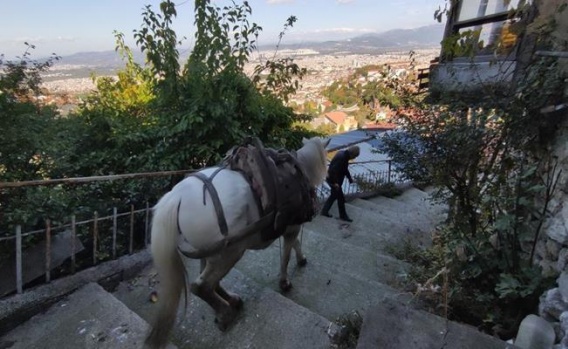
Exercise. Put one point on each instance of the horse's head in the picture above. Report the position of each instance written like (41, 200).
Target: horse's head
(312, 157)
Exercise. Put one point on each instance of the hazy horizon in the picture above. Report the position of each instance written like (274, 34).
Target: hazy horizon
(67, 27)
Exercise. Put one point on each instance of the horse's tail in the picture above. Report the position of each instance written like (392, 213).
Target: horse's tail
(169, 266)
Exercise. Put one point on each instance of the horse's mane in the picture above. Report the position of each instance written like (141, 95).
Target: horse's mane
(312, 158)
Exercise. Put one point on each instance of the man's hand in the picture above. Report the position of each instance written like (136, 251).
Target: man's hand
(335, 185)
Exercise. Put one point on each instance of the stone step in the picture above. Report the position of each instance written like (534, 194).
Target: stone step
(336, 255)
(407, 219)
(422, 199)
(88, 318)
(400, 210)
(371, 231)
(320, 288)
(267, 320)
(395, 325)
(413, 203)
(338, 278)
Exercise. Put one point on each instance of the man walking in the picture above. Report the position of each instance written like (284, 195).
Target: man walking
(336, 173)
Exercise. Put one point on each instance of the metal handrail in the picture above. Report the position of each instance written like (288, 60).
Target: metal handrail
(75, 180)
(373, 177)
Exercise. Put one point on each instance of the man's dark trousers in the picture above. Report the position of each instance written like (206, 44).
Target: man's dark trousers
(336, 194)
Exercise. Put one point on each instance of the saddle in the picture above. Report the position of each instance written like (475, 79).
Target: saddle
(278, 183)
(281, 189)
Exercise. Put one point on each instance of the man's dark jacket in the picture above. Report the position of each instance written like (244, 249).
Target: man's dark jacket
(339, 168)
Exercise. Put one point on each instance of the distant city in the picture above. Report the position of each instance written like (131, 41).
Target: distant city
(323, 69)
(325, 62)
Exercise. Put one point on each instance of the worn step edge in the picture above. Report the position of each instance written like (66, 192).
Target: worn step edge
(18, 308)
(393, 325)
(87, 318)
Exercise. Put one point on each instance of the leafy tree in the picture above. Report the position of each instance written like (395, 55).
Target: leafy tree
(162, 115)
(384, 87)
(28, 135)
(24, 120)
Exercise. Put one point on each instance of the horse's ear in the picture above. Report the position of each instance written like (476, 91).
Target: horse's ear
(304, 140)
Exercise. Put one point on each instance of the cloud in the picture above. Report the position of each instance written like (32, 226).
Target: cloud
(323, 34)
(345, 30)
(38, 40)
(345, 1)
(43, 46)
(276, 2)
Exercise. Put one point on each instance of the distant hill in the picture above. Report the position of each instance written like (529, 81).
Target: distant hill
(373, 43)
(396, 39)
(99, 58)
(424, 36)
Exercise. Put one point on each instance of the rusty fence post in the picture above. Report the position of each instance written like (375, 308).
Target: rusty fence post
(19, 282)
(114, 228)
(131, 236)
(47, 250)
(73, 247)
(146, 224)
(95, 236)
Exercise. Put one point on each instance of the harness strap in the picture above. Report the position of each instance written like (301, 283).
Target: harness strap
(190, 252)
(268, 173)
(208, 184)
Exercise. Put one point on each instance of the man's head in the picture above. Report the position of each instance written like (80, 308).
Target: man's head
(353, 151)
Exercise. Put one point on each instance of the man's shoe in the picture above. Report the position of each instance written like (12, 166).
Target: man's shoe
(326, 215)
(347, 219)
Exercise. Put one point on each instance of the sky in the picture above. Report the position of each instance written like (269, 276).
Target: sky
(65, 27)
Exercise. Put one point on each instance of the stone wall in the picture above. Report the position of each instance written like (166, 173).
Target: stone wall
(552, 251)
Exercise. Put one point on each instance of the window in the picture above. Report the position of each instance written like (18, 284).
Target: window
(482, 28)
(472, 9)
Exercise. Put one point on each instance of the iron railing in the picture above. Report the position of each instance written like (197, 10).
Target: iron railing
(122, 225)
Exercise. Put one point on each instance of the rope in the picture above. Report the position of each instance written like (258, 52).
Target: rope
(302, 237)
(280, 247)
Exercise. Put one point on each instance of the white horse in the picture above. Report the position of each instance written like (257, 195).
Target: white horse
(186, 215)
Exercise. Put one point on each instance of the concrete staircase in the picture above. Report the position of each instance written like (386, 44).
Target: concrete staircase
(349, 269)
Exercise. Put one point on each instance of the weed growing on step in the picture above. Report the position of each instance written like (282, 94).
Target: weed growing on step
(351, 328)
(424, 265)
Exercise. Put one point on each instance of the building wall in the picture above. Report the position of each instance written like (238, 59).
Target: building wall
(467, 76)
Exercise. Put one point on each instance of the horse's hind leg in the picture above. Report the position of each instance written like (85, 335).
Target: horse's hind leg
(207, 287)
(233, 299)
(290, 241)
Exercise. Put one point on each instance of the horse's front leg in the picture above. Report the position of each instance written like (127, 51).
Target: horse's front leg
(301, 260)
(290, 241)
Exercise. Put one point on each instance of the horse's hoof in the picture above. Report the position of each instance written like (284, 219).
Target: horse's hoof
(285, 285)
(302, 262)
(222, 326)
(236, 302)
(224, 321)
